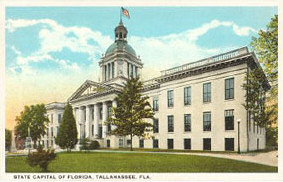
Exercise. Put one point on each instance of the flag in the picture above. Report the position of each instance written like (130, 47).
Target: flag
(125, 12)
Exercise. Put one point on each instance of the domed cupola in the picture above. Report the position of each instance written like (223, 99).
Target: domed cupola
(120, 60)
(121, 32)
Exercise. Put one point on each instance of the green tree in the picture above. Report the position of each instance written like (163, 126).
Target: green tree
(132, 108)
(8, 139)
(33, 117)
(41, 157)
(67, 137)
(256, 87)
(266, 48)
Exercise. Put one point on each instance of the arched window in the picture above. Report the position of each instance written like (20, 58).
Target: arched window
(120, 35)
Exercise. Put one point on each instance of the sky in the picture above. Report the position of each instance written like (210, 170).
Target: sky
(51, 51)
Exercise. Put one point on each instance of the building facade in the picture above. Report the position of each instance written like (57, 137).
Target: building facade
(198, 106)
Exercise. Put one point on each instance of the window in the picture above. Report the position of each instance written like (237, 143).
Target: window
(51, 143)
(47, 132)
(92, 130)
(229, 144)
(171, 123)
(136, 71)
(207, 92)
(206, 144)
(121, 142)
(108, 143)
(51, 118)
(187, 143)
(105, 72)
(229, 88)
(100, 113)
(108, 127)
(128, 142)
(132, 71)
(155, 125)
(59, 118)
(155, 104)
(187, 122)
(52, 131)
(170, 97)
(229, 119)
(155, 143)
(113, 69)
(170, 143)
(207, 121)
(187, 95)
(141, 144)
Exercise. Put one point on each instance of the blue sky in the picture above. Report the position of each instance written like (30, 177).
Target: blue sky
(51, 51)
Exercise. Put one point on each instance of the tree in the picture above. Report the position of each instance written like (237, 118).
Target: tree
(94, 145)
(67, 137)
(132, 108)
(33, 117)
(41, 158)
(255, 96)
(8, 139)
(266, 48)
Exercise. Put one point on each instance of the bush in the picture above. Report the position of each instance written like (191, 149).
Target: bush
(41, 157)
(84, 144)
(94, 145)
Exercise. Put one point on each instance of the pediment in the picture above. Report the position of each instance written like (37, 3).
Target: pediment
(89, 88)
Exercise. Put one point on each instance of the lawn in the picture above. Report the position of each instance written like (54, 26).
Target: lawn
(136, 162)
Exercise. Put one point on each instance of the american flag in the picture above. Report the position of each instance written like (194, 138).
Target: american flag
(125, 12)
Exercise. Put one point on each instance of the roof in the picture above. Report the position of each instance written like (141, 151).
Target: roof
(120, 45)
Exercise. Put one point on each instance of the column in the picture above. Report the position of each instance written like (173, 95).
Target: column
(104, 118)
(87, 121)
(114, 104)
(96, 119)
(81, 121)
(78, 121)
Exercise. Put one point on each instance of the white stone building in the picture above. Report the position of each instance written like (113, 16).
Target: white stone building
(197, 105)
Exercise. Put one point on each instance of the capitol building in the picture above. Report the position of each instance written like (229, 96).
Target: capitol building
(197, 106)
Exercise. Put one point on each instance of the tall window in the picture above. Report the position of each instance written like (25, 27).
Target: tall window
(51, 118)
(187, 143)
(187, 122)
(207, 121)
(155, 104)
(155, 125)
(229, 119)
(121, 142)
(170, 143)
(141, 143)
(108, 70)
(92, 130)
(206, 92)
(170, 123)
(47, 132)
(52, 131)
(128, 69)
(207, 144)
(229, 144)
(155, 143)
(187, 95)
(229, 88)
(59, 118)
(170, 98)
(136, 71)
(113, 69)
(132, 70)
(105, 72)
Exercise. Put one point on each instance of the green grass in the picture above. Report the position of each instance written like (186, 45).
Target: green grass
(136, 162)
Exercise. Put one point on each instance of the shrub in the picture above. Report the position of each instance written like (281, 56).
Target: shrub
(84, 144)
(41, 157)
(94, 145)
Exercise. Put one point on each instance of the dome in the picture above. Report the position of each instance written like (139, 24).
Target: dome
(120, 45)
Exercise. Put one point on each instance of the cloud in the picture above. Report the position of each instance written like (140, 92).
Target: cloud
(170, 50)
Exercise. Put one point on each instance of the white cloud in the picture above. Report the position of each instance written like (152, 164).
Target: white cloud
(170, 50)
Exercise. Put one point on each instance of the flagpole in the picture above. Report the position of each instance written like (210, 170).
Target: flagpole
(121, 15)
